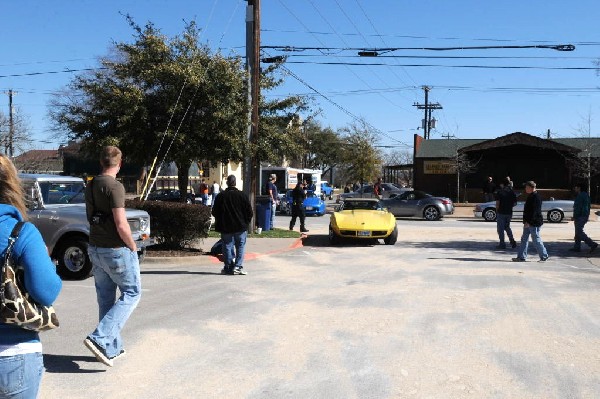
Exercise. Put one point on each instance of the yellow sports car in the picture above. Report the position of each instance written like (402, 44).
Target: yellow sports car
(362, 218)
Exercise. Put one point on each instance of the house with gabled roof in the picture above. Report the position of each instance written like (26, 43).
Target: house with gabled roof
(459, 167)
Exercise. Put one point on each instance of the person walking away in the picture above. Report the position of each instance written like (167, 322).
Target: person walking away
(298, 197)
(378, 189)
(273, 198)
(488, 190)
(215, 190)
(21, 361)
(506, 199)
(233, 213)
(581, 215)
(113, 253)
(204, 192)
(532, 223)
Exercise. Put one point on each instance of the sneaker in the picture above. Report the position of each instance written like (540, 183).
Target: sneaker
(594, 246)
(575, 250)
(543, 259)
(518, 259)
(122, 353)
(240, 271)
(99, 352)
(513, 244)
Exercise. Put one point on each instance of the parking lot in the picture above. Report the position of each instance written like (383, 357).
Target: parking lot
(441, 314)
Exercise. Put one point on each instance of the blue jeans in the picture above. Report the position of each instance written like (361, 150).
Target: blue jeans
(502, 225)
(233, 241)
(20, 375)
(580, 235)
(204, 199)
(112, 268)
(273, 210)
(537, 241)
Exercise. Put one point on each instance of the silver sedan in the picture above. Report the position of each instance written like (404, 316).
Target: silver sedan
(419, 204)
(554, 210)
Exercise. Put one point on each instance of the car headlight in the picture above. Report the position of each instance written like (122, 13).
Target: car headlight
(144, 224)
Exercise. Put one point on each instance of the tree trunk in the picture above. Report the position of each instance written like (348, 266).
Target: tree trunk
(183, 176)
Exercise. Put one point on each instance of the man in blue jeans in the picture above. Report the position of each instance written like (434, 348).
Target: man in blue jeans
(581, 214)
(505, 201)
(233, 213)
(532, 222)
(113, 253)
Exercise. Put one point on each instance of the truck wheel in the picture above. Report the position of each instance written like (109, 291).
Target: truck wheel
(73, 260)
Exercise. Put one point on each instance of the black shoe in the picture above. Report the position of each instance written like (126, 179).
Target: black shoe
(518, 259)
(98, 351)
(513, 244)
(303, 230)
(226, 271)
(543, 259)
(594, 246)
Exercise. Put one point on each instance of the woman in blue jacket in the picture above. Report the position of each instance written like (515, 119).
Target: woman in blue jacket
(21, 363)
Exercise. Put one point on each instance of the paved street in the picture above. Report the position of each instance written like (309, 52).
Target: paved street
(441, 314)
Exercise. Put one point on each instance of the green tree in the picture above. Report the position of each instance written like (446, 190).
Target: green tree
(323, 146)
(362, 160)
(154, 90)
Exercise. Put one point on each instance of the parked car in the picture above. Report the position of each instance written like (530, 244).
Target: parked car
(57, 208)
(419, 204)
(168, 194)
(313, 204)
(554, 210)
(326, 190)
(389, 191)
(362, 218)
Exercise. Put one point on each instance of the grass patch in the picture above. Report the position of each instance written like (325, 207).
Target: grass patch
(276, 233)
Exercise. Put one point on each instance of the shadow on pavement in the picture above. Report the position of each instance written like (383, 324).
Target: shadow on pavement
(67, 364)
(322, 240)
(165, 272)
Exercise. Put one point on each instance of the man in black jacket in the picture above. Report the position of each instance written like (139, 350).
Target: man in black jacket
(233, 212)
(532, 222)
(298, 197)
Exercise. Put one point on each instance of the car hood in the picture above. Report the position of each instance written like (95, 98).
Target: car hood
(80, 209)
(362, 219)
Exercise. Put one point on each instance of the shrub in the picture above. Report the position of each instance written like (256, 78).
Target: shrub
(173, 224)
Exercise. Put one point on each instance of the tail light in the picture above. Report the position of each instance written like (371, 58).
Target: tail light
(446, 202)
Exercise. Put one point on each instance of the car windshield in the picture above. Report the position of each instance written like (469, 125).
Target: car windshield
(361, 205)
(63, 192)
(310, 194)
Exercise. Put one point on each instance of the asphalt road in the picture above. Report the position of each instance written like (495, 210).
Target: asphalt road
(441, 314)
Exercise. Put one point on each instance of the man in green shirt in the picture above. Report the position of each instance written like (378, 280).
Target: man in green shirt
(581, 214)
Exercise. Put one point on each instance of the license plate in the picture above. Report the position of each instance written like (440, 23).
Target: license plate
(309, 208)
(363, 233)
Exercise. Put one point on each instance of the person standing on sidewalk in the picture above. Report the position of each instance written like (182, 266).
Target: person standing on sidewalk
(488, 190)
(298, 197)
(113, 253)
(581, 214)
(273, 197)
(233, 213)
(532, 222)
(505, 201)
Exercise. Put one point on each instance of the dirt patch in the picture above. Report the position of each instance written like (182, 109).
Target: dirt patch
(159, 251)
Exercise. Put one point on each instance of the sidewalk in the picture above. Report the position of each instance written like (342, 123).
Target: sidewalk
(255, 248)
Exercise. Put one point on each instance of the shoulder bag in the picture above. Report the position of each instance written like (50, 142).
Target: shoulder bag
(16, 305)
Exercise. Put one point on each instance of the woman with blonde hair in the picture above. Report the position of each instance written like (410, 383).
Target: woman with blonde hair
(21, 362)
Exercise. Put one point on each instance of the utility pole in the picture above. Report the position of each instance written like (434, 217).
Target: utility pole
(251, 162)
(427, 123)
(9, 146)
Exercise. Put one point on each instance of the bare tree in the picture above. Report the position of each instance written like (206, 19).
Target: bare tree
(397, 158)
(21, 137)
(584, 165)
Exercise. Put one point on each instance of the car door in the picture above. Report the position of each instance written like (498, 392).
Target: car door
(366, 192)
(399, 205)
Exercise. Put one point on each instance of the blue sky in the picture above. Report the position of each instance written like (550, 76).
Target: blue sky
(532, 93)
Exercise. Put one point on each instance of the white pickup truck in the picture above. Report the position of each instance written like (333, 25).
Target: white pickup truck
(57, 208)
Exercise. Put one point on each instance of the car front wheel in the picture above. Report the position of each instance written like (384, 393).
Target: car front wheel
(555, 216)
(489, 215)
(431, 213)
(333, 238)
(73, 260)
(392, 238)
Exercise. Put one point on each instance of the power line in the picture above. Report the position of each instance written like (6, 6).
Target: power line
(446, 66)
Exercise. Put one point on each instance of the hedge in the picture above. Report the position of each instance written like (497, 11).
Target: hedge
(175, 225)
